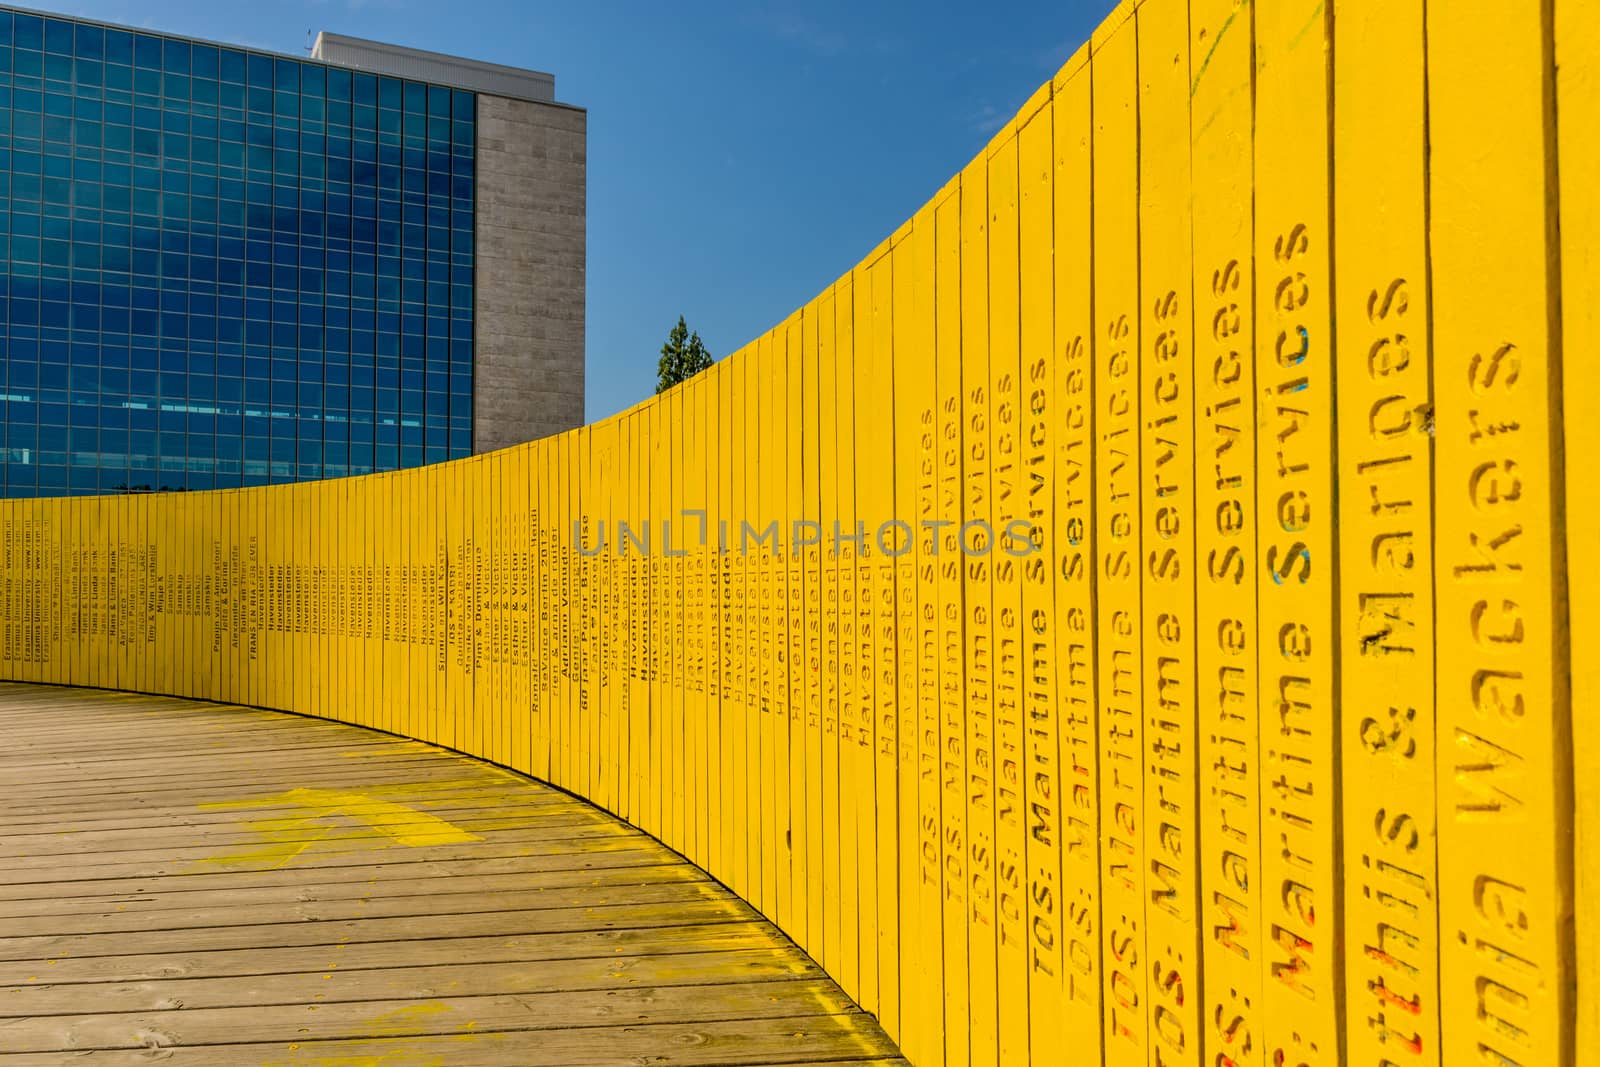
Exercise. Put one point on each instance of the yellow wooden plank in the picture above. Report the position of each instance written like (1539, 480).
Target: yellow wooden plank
(567, 748)
(700, 596)
(72, 517)
(297, 535)
(220, 667)
(1006, 671)
(1577, 55)
(275, 550)
(308, 536)
(775, 616)
(789, 506)
(77, 531)
(716, 617)
(833, 783)
(331, 508)
(570, 460)
(78, 534)
(117, 535)
(544, 656)
(153, 536)
(1225, 577)
(116, 559)
(1118, 529)
(1040, 782)
(1506, 792)
(1167, 564)
(712, 621)
(856, 622)
(658, 803)
(110, 522)
(15, 590)
(774, 768)
(9, 623)
(488, 706)
(347, 648)
(1073, 558)
(898, 706)
(135, 594)
(976, 544)
(1303, 988)
(589, 487)
(854, 792)
(515, 578)
(912, 370)
(525, 500)
(664, 734)
(719, 506)
(252, 525)
(133, 607)
(878, 620)
(950, 418)
(690, 480)
(192, 511)
(13, 599)
(499, 609)
(50, 531)
(410, 508)
(326, 504)
(1390, 947)
(484, 707)
(103, 533)
(106, 523)
(394, 710)
(636, 562)
(174, 591)
(354, 683)
(120, 534)
(38, 584)
(604, 615)
(676, 728)
(371, 706)
(644, 749)
(608, 616)
(574, 737)
(807, 544)
(482, 711)
(627, 515)
(366, 684)
(640, 747)
(598, 505)
(458, 689)
(905, 374)
(508, 580)
(753, 770)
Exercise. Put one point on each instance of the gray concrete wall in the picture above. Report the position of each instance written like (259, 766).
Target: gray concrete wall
(528, 316)
(381, 58)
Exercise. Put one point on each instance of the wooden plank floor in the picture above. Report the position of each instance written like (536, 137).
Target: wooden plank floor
(195, 883)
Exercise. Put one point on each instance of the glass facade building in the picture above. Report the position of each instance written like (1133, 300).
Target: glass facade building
(224, 267)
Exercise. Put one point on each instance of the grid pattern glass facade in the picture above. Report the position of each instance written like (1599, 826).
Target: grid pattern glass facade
(223, 268)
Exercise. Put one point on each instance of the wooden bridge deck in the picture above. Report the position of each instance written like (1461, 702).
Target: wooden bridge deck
(195, 883)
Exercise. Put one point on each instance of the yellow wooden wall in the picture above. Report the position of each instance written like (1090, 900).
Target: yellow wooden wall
(1274, 326)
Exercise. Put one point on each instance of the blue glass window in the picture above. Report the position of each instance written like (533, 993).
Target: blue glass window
(221, 267)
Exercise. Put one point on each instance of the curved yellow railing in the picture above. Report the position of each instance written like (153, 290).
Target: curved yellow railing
(1126, 618)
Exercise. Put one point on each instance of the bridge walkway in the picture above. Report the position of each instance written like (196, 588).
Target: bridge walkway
(194, 883)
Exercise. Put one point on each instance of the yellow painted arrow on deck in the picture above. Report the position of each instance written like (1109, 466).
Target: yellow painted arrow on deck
(284, 837)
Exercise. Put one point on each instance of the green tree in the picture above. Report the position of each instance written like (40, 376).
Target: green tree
(682, 357)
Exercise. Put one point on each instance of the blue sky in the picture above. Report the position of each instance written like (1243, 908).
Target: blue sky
(741, 155)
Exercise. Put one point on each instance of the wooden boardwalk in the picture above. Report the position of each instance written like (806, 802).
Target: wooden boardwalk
(194, 883)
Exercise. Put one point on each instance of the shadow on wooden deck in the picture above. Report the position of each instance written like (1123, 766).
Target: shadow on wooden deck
(194, 883)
